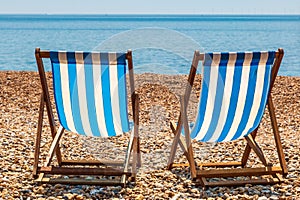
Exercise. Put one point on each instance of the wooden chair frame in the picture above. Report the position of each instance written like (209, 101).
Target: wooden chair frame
(228, 169)
(86, 167)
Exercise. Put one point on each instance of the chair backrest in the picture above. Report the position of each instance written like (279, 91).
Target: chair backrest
(90, 92)
(234, 93)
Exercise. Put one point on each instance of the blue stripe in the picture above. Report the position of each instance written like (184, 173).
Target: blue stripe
(234, 95)
(219, 96)
(74, 92)
(90, 94)
(122, 91)
(271, 58)
(204, 95)
(106, 95)
(249, 95)
(265, 92)
(57, 89)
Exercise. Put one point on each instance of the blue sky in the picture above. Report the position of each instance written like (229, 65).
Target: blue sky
(150, 7)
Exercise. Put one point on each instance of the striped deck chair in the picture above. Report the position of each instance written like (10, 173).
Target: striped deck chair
(90, 94)
(236, 87)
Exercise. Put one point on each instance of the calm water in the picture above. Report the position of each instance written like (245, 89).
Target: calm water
(160, 43)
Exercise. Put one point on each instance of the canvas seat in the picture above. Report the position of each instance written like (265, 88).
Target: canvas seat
(90, 95)
(236, 88)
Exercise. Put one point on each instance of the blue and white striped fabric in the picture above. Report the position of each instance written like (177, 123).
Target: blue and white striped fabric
(234, 94)
(90, 92)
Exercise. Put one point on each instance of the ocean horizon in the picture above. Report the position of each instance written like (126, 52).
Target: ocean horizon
(161, 43)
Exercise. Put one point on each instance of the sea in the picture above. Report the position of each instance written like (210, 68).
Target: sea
(160, 43)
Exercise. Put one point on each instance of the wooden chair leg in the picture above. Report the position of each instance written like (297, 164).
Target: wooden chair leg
(191, 159)
(135, 147)
(248, 149)
(52, 127)
(277, 136)
(178, 139)
(173, 148)
(139, 161)
(54, 145)
(128, 153)
(188, 138)
(38, 137)
(181, 140)
(137, 117)
(134, 159)
(252, 143)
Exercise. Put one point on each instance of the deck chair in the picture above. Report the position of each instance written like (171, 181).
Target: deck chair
(90, 94)
(236, 87)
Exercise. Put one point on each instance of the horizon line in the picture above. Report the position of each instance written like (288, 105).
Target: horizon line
(194, 14)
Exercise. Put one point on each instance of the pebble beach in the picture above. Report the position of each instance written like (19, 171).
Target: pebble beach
(159, 104)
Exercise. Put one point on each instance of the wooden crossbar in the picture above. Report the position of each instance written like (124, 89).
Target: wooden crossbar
(82, 171)
(73, 181)
(211, 173)
(266, 181)
(219, 164)
(93, 162)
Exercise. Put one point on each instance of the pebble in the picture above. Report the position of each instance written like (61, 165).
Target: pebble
(263, 198)
(19, 102)
(288, 194)
(96, 191)
(266, 191)
(159, 185)
(139, 197)
(273, 197)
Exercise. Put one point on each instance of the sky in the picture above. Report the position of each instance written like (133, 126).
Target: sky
(150, 7)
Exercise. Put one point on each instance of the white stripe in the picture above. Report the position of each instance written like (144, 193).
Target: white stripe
(241, 98)
(114, 94)
(258, 92)
(83, 107)
(65, 90)
(214, 72)
(98, 94)
(226, 97)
